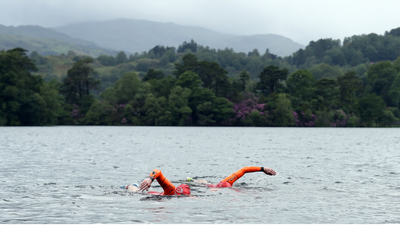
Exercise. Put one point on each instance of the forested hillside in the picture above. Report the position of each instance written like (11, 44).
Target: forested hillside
(327, 84)
(140, 35)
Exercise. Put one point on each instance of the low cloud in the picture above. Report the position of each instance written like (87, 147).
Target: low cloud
(302, 21)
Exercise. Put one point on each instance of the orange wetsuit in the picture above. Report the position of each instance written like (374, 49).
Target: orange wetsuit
(184, 189)
(238, 174)
(169, 188)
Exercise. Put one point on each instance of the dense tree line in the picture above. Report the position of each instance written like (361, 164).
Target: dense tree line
(326, 84)
(25, 99)
(324, 58)
(355, 51)
(199, 93)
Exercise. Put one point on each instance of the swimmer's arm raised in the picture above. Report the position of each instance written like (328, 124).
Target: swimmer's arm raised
(145, 185)
(238, 174)
(252, 169)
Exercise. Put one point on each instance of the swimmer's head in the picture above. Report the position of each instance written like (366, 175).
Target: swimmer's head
(132, 187)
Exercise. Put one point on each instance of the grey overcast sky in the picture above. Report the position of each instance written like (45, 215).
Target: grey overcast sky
(300, 20)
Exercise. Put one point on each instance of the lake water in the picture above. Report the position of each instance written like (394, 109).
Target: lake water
(324, 175)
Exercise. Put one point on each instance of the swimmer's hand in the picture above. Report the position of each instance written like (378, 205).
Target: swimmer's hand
(269, 171)
(145, 185)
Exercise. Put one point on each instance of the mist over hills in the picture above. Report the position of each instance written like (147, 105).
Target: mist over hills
(41, 32)
(47, 41)
(140, 35)
(109, 37)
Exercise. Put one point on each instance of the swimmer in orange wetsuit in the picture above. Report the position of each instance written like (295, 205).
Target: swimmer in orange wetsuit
(169, 188)
(184, 189)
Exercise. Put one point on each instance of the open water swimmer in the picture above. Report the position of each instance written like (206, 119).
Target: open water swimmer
(184, 189)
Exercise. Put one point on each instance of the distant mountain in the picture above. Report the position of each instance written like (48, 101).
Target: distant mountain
(41, 32)
(46, 41)
(141, 35)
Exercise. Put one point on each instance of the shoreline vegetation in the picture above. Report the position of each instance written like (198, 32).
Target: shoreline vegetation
(327, 84)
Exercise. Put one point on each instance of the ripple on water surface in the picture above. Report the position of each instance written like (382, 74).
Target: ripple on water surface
(73, 174)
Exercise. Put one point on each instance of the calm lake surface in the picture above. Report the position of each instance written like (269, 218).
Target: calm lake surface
(324, 175)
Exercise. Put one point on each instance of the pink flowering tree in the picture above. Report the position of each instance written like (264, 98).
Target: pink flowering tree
(305, 119)
(243, 109)
(339, 118)
(116, 114)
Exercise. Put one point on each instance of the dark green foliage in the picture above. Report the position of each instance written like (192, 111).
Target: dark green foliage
(326, 90)
(107, 60)
(354, 51)
(79, 82)
(353, 121)
(253, 53)
(222, 110)
(214, 111)
(189, 80)
(121, 58)
(178, 106)
(244, 77)
(211, 74)
(283, 115)
(153, 74)
(317, 49)
(301, 84)
(167, 58)
(201, 102)
(387, 119)
(396, 64)
(394, 92)
(361, 70)
(214, 77)
(162, 87)
(189, 63)
(380, 79)
(329, 85)
(337, 56)
(143, 66)
(160, 50)
(155, 109)
(124, 90)
(192, 46)
(349, 84)
(324, 118)
(324, 70)
(371, 108)
(271, 78)
(99, 114)
(394, 32)
(254, 66)
(25, 99)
